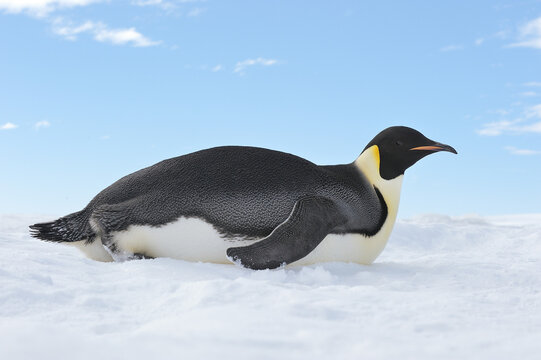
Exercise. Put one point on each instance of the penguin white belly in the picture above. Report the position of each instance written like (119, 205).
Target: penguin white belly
(94, 250)
(343, 248)
(188, 239)
(193, 239)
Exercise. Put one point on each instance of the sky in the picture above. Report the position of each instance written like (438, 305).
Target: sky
(92, 90)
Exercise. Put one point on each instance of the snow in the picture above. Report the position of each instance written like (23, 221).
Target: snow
(445, 287)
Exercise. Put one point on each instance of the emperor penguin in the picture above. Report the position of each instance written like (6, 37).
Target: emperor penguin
(256, 207)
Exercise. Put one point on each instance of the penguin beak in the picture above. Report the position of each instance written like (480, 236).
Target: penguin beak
(436, 147)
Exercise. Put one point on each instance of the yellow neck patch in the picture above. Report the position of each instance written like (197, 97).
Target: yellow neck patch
(375, 153)
(368, 162)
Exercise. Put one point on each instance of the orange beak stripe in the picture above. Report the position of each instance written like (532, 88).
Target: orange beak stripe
(429, 147)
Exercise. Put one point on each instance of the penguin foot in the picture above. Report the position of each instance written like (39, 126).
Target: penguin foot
(244, 256)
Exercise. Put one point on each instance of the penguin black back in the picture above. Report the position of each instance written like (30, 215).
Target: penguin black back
(242, 191)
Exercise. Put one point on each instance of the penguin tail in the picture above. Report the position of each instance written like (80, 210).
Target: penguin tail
(73, 227)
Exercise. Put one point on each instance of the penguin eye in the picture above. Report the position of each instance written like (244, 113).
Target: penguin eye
(398, 143)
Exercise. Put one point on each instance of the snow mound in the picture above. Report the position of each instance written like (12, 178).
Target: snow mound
(444, 288)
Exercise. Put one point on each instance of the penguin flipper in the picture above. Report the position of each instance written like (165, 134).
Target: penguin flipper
(311, 219)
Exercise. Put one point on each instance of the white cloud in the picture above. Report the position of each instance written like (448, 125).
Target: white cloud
(498, 127)
(479, 41)
(532, 84)
(102, 33)
(8, 126)
(242, 65)
(217, 68)
(99, 30)
(502, 34)
(528, 93)
(534, 111)
(41, 7)
(530, 35)
(501, 112)
(123, 36)
(164, 4)
(196, 12)
(147, 2)
(161, 2)
(42, 124)
(451, 48)
(531, 128)
(516, 126)
(71, 32)
(513, 150)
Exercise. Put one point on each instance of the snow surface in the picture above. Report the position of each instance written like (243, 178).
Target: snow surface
(444, 288)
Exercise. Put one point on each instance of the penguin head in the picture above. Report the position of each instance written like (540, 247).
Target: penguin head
(400, 147)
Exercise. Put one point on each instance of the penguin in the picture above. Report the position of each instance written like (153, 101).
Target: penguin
(256, 207)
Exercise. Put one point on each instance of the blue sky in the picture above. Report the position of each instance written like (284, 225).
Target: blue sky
(92, 90)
